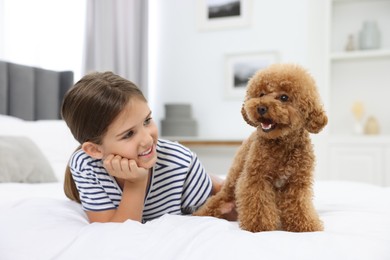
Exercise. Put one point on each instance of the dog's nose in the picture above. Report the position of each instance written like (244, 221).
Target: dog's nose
(262, 110)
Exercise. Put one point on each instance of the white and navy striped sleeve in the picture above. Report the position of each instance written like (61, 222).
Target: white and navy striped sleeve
(197, 186)
(94, 187)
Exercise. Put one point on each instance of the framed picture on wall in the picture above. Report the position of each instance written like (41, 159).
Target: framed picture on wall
(241, 67)
(222, 14)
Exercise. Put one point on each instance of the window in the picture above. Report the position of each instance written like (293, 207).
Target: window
(43, 33)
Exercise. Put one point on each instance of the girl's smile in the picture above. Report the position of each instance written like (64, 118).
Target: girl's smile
(147, 152)
(148, 155)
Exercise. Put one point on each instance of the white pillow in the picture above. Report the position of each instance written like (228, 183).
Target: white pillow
(22, 161)
(52, 137)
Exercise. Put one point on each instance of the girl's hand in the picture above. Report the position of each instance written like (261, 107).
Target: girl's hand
(125, 169)
(133, 183)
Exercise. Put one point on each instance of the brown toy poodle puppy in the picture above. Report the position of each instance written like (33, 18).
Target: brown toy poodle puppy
(270, 181)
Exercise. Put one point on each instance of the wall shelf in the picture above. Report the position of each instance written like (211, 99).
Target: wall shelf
(366, 54)
(360, 139)
(204, 141)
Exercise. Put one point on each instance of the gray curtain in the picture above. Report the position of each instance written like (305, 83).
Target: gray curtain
(116, 39)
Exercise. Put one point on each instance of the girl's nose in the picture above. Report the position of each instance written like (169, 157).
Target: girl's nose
(146, 138)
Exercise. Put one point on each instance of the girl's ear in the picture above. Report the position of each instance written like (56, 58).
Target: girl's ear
(92, 150)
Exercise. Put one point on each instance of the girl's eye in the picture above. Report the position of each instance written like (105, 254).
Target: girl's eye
(148, 121)
(284, 98)
(128, 135)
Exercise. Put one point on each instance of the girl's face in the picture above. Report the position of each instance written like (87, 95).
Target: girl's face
(133, 135)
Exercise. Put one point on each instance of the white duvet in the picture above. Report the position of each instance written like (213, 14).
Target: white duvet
(41, 224)
(38, 222)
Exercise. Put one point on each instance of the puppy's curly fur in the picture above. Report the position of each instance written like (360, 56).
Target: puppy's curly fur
(270, 180)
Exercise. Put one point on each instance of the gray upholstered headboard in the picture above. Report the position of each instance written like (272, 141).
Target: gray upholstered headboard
(32, 93)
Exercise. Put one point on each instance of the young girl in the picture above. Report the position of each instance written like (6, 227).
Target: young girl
(121, 169)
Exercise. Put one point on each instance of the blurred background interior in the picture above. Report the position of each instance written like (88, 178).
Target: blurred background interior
(195, 52)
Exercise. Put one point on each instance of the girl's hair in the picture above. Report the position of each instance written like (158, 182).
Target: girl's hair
(88, 109)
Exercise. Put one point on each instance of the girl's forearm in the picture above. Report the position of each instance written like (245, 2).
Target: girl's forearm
(132, 203)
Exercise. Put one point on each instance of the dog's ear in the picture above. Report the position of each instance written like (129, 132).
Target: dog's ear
(316, 119)
(245, 116)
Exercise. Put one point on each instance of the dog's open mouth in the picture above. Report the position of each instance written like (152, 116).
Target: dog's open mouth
(267, 125)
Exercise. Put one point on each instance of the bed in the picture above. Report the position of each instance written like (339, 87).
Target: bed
(38, 222)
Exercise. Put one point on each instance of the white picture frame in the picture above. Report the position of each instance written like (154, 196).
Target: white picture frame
(223, 14)
(241, 67)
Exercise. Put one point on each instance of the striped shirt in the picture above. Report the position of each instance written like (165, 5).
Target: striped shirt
(178, 185)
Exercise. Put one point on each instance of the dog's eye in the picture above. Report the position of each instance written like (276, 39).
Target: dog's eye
(262, 94)
(283, 98)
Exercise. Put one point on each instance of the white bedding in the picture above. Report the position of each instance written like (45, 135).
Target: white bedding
(38, 222)
(48, 226)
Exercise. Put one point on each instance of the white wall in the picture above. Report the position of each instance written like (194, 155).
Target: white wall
(187, 65)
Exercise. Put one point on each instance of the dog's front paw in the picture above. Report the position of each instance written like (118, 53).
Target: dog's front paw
(258, 223)
(312, 225)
